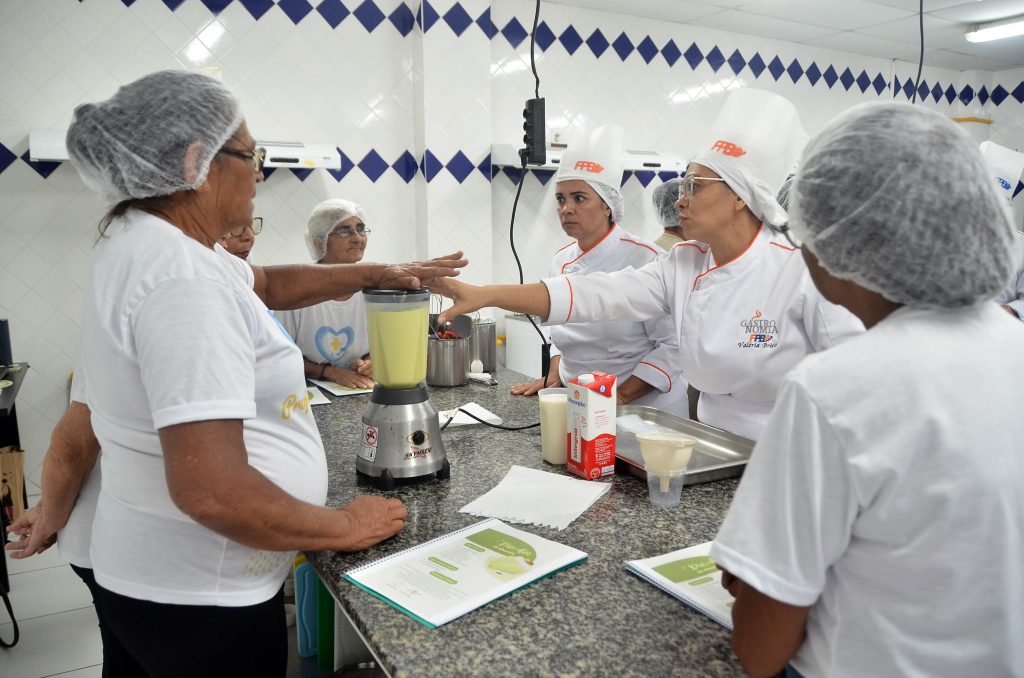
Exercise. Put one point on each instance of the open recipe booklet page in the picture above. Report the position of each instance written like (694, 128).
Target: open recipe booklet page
(692, 577)
(444, 578)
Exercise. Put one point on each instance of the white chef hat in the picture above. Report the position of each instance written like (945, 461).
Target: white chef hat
(1007, 167)
(753, 144)
(598, 158)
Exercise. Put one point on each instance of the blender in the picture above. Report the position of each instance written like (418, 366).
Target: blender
(401, 433)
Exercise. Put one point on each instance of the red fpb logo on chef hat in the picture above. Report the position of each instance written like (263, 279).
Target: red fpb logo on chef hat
(588, 166)
(728, 148)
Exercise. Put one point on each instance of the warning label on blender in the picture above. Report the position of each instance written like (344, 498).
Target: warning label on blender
(368, 453)
(370, 436)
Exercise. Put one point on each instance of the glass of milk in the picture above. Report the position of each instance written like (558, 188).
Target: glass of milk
(553, 426)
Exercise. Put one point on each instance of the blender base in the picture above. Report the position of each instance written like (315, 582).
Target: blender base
(387, 482)
(401, 438)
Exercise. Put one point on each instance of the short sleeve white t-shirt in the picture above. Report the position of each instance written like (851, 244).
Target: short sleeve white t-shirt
(885, 494)
(331, 332)
(174, 333)
(73, 540)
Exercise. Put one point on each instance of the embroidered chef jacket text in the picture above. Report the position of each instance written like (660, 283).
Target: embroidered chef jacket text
(644, 348)
(741, 325)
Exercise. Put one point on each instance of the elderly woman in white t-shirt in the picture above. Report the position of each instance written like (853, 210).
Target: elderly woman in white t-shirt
(213, 472)
(332, 334)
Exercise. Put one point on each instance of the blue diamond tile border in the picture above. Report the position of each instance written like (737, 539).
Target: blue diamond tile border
(296, 10)
(486, 25)
(333, 12)
(622, 46)
(346, 166)
(736, 62)
(369, 15)
(458, 19)
(570, 39)
(403, 19)
(715, 58)
(514, 32)
(43, 168)
(597, 43)
(545, 36)
(406, 166)
(256, 8)
(647, 49)
(460, 166)
(6, 157)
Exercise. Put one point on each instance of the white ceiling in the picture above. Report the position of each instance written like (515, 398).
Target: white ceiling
(879, 28)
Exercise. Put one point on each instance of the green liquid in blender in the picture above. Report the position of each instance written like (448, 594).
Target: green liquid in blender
(398, 345)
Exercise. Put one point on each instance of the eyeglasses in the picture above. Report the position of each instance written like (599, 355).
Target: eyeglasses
(256, 227)
(256, 157)
(689, 185)
(790, 236)
(347, 232)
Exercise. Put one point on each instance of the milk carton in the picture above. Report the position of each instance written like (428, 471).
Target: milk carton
(591, 420)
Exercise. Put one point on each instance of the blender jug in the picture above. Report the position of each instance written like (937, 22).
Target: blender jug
(396, 321)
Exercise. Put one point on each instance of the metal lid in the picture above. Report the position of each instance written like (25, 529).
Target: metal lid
(396, 296)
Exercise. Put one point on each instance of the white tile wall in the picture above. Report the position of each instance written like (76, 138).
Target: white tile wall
(364, 91)
(667, 108)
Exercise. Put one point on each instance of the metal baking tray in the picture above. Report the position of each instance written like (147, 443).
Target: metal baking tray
(718, 454)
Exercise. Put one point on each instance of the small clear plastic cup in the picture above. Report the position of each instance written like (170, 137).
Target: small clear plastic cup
(665, 488)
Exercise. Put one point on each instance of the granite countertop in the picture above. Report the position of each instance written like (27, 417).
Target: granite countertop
(594, 619)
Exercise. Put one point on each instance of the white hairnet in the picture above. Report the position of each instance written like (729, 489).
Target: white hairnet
(134, 144)
(665, 198)
(897, 199)
(323, 219)
(752, 144)
(612, 197)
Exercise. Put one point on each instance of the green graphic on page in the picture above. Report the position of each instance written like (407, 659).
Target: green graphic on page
(687, 569)
(504, 544)
(515, 557)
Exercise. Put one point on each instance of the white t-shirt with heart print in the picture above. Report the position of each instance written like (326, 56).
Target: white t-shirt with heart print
(331, 332)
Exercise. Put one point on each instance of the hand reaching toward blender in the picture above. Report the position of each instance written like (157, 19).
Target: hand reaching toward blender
(418, 274)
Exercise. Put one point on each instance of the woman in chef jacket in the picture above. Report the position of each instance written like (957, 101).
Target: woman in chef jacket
(642, 354)
(332, 334)
(739, 295)
(879, 528)
(1006, 167)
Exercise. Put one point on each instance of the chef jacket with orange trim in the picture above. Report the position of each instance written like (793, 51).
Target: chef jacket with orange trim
(741, 325)
(646, 348)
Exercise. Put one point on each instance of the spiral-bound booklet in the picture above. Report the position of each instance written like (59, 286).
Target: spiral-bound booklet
(692, 577)
(444, 578)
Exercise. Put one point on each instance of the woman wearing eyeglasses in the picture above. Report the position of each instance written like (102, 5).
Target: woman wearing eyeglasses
(332, 334)
(741, 301)
(240, 241)
(212, 469)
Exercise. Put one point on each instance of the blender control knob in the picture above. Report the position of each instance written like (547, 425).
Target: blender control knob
(418, 437)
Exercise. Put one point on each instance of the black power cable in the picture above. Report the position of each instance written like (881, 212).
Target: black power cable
(920, 59)
(545, 344)
(487, 423)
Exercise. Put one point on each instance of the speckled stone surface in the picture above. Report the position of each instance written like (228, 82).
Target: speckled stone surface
(594, 619)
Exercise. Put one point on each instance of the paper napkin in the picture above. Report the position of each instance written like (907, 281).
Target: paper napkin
(461, 419)
(533, 497)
